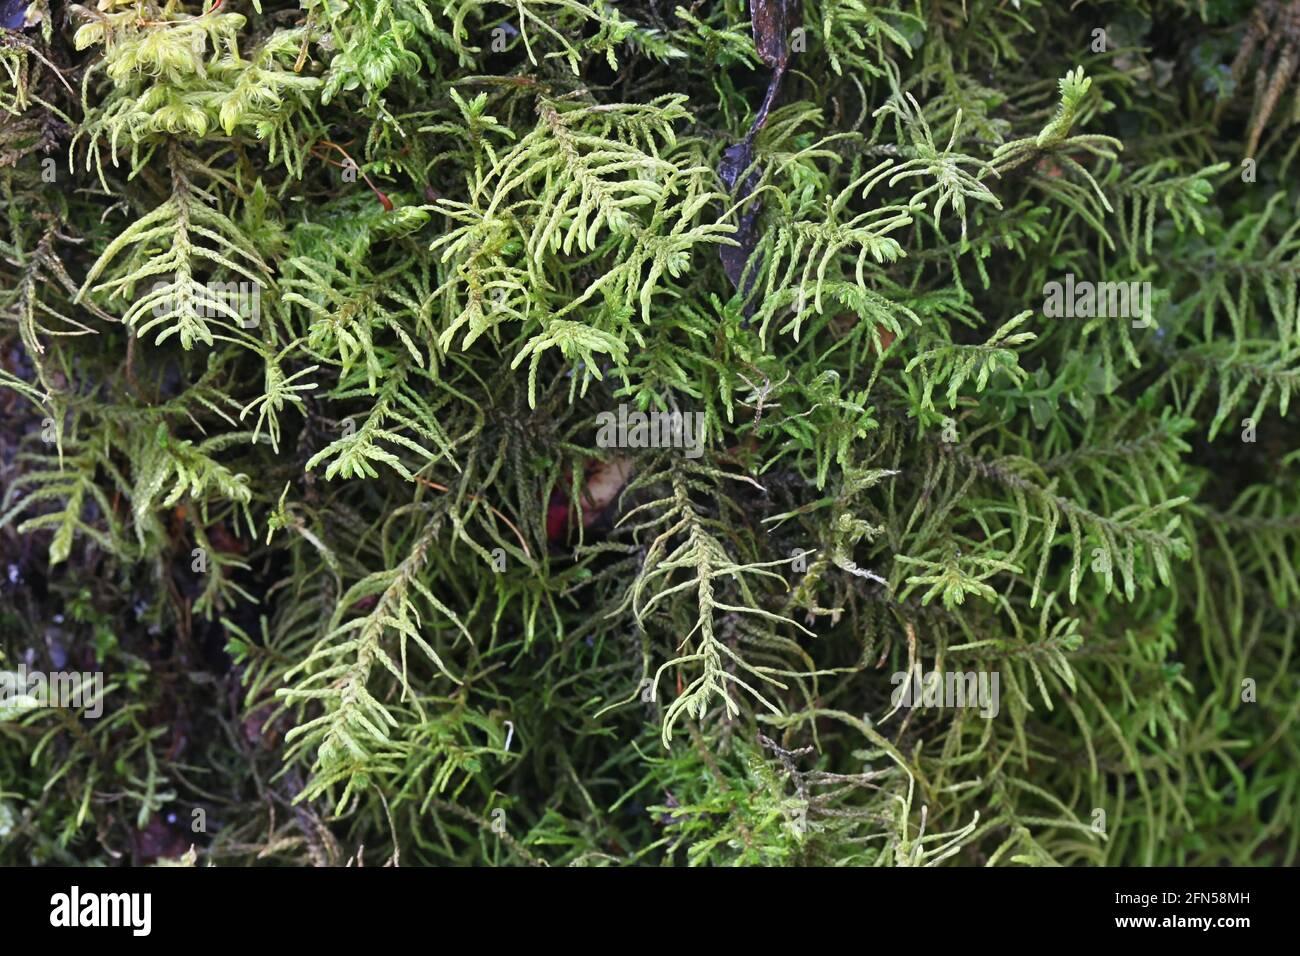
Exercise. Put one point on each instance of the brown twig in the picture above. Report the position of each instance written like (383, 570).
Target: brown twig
(379, 193)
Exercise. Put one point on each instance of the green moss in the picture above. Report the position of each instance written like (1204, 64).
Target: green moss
(309, 317)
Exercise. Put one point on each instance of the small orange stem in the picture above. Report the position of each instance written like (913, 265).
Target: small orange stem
(176, 23)
(510, 524)
(379, 194)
